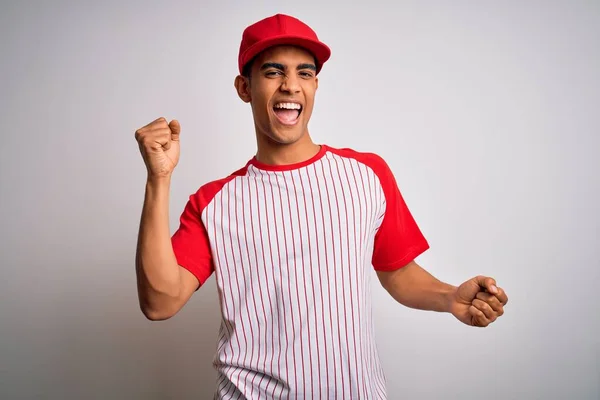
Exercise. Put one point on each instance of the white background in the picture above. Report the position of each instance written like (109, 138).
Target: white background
(487, 112)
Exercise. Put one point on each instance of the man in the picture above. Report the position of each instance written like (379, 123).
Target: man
(291, 237)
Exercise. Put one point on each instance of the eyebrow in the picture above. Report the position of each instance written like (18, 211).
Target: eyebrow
(272, 65)
(307, 66)
(282, 67)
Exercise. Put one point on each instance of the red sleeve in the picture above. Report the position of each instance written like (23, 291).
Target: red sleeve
(190, 242)
(399, 239)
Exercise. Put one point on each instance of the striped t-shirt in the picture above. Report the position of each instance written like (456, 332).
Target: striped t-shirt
(293, 248)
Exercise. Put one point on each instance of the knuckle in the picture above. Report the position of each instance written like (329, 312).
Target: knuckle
(157, 133)
(157, 124)
(148, 141)
(487, 309)
(497, 304)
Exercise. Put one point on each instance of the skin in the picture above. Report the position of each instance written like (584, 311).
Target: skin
(163, 286)
(477, 302)
(278, 74)
(281, 74)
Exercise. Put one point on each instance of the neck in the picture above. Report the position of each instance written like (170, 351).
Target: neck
(272, 153)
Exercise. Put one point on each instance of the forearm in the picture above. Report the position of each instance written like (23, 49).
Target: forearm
(416, 288)
(158, 274)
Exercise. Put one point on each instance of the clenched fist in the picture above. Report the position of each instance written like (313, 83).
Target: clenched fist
(159, 145)
(479, 302)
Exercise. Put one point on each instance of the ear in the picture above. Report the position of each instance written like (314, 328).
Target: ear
(242, 85)
(316, 82)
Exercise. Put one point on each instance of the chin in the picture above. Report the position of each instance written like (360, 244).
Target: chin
(285, 134)
(284, 138)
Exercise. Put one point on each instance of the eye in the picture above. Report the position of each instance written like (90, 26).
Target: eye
(273, 73)
(306, 74)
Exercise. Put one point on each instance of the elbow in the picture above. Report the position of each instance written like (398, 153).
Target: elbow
(158, 302)
(158, 309)
(153, 314)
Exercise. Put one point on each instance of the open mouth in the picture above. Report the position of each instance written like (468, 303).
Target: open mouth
(287, 113)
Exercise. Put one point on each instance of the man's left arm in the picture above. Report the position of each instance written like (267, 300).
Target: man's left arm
(476, 302)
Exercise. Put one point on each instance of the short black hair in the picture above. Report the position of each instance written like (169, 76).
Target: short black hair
(247, 69)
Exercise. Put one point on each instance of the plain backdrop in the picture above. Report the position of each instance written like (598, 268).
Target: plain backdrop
(487, 112)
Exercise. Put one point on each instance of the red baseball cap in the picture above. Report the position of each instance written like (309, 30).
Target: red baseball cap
(277, 30)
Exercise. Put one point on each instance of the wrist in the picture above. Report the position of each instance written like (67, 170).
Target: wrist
(158, 188)
(450, 298)
(157, 181)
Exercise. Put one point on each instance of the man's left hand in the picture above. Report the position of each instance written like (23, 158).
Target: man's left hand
(478, 301)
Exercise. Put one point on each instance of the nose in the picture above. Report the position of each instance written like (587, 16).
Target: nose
(290, 84)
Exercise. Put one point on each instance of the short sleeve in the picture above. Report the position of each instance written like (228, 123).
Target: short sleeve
(191, 243)
(399, 239)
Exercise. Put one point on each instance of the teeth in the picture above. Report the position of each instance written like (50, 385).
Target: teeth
(289, 106)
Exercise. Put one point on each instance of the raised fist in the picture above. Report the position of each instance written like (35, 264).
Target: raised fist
(159, 145)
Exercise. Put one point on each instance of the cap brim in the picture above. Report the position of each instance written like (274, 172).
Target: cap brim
(319, 49)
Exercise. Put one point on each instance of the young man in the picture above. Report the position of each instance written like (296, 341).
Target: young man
(292, 238)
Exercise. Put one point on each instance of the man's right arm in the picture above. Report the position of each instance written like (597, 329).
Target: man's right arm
(163, 286)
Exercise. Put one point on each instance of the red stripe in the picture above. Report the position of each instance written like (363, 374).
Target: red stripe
(358, 266)
(342, 281)
(371, 212)
(304, 283)
(244, 279)
(319, 275)
(230, 287)
(312, 280)
(378, 205)
(362, 243)
(250, 265)
(327, 269)
(240, 349)
(297, 291)
(335, 279)
(268, 224)
(244, 350)
(266, 277)
(223, 298)
(287, 339)
(374, 213)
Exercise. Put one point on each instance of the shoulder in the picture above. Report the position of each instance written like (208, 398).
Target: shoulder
(207, 192)
(371, 160)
